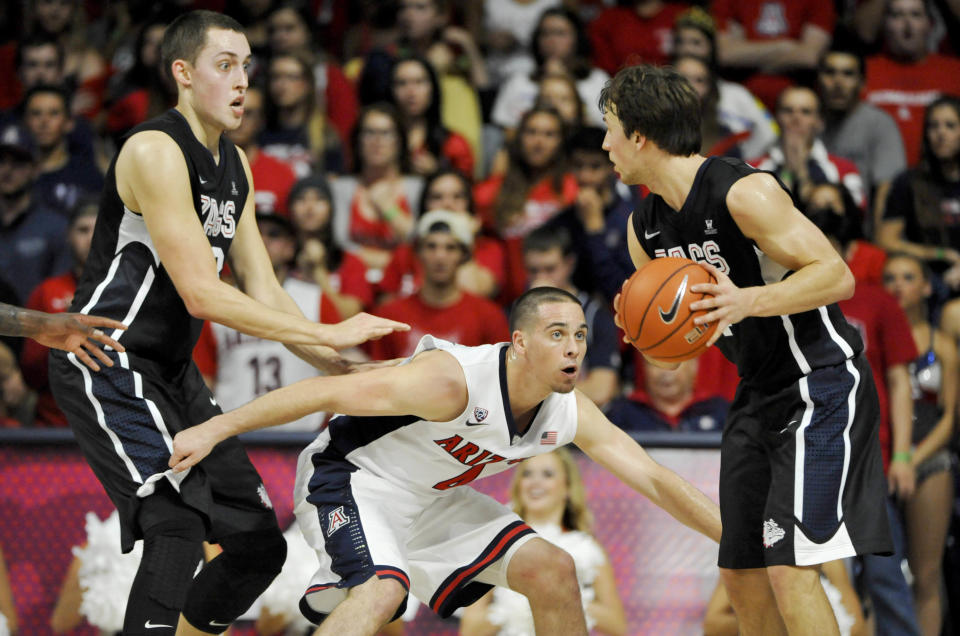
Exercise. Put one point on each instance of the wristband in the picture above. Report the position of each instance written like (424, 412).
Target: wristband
(391, 213)
(939, 253)
(902, 456)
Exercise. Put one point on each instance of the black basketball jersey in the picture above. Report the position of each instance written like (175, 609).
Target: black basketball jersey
(769, 351)
(123, 277)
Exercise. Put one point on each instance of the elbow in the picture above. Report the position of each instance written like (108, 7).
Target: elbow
(199, 303)
(846, 284)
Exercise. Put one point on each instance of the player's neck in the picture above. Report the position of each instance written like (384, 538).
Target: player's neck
(523, 391)
(674, 177)
(206, 134)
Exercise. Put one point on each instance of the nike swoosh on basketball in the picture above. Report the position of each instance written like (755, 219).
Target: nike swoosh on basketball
(150, 625)
(667, 317)
(650, 235)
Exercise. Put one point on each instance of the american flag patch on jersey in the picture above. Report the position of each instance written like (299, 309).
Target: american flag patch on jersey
(549, 438)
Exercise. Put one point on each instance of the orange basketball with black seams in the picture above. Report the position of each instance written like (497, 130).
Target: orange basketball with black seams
(655, 309)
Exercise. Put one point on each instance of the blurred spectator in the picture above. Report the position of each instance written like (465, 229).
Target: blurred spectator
(716, 138)
(800, 159)
(62, 177)
(440, 308)
(560, 47)
(241, 368)
(635, 32)
(85, 70)
(32, 237)
(16, 399)
(934, 379)
(508, 27)
(416, 94)
(425, 32)
(535, 187)
(550, 259)
(906, 77)
(560, 93)
(889, 349)
(144, 91)
(694, 33)
(669, 401)
(297, 131)
(834, 211)
(54, 295)
(373, 209)
(548, 493)
(857, 130)
(291, 31)
(866, 20)
(341, 275)
(272, 178)
(483, 275)
(922, 213)
(597, 220)
(769, 39)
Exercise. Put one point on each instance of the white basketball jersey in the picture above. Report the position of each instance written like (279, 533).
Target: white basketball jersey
(248, 367)
(432, 457)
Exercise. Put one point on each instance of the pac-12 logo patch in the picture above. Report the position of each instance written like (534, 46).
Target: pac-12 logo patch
(480, 413)
(336, 520)
(772, 533)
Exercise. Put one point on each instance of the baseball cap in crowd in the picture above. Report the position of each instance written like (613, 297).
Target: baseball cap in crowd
(279, 221)
(455, 223)
(15, 140)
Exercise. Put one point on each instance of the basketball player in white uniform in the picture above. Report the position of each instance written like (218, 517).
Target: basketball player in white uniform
(377, 492)
(247, 366)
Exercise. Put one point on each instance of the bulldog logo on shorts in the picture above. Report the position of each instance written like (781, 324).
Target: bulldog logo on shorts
(336, 520)
(772, 533)
(480, 413)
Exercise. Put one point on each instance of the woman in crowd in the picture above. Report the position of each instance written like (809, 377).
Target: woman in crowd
(716, 138)
(341, 275)
(416, 94)
(560, 46)
(920, 214)
(547, 492)
(482, 275)
(535, 186)
(934, 379)
(297, 131)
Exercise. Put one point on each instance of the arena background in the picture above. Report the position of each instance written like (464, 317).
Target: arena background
(665, 572)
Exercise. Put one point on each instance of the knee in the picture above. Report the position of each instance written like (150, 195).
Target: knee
(263, 551)
(789, 581)
(540, 568)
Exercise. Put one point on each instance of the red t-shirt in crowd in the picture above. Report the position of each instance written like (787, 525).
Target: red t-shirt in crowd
(887, 341)
(772, 20)
(716, 377)
(905, 91)
(866, 262)
(53, 296)
(403, 274)
(272, 180)
(470, 321)
(374, 232)
(351, 279)
(620, 36)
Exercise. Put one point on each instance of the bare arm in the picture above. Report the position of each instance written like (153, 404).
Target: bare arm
(734, 49)
(890, 237)
(607, 607)
(66, 613)
(901, 474)
(396, 390)
(799, 54)
(614, 450)
(76, 333)
(765, 213)
(152, 179)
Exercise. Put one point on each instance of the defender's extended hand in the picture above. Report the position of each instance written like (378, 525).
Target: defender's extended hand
(78, 334)
(360, 328)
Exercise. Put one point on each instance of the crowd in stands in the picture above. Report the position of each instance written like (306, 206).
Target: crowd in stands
(429, 160)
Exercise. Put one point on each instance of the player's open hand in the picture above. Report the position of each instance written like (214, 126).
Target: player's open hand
(726, 304)
(79, 335)
(191, 445)
(360, 328)
(616, 314)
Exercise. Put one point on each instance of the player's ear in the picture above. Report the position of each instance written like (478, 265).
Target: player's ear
(517, 343)
(181, 72)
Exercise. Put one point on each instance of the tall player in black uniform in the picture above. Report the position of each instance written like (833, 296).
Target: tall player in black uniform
(801, 481)
(177, 196)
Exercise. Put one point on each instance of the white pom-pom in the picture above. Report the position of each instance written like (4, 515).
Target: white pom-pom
(106, 574)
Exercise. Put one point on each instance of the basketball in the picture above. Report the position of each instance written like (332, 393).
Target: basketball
(655, 309)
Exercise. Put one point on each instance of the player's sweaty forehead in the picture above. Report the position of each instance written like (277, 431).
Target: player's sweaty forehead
(565, 315)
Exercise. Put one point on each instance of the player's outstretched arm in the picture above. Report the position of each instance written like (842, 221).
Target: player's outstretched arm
(431, 387)
(765, 213)
(617, 452)
(75, 333)
(152, 180)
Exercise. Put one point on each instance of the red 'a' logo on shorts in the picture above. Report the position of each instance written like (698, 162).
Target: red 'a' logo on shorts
(336, 520)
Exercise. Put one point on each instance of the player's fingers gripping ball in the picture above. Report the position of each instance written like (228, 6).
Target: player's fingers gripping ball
(654, 309)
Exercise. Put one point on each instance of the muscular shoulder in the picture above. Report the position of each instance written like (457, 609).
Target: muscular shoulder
(755, 192)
